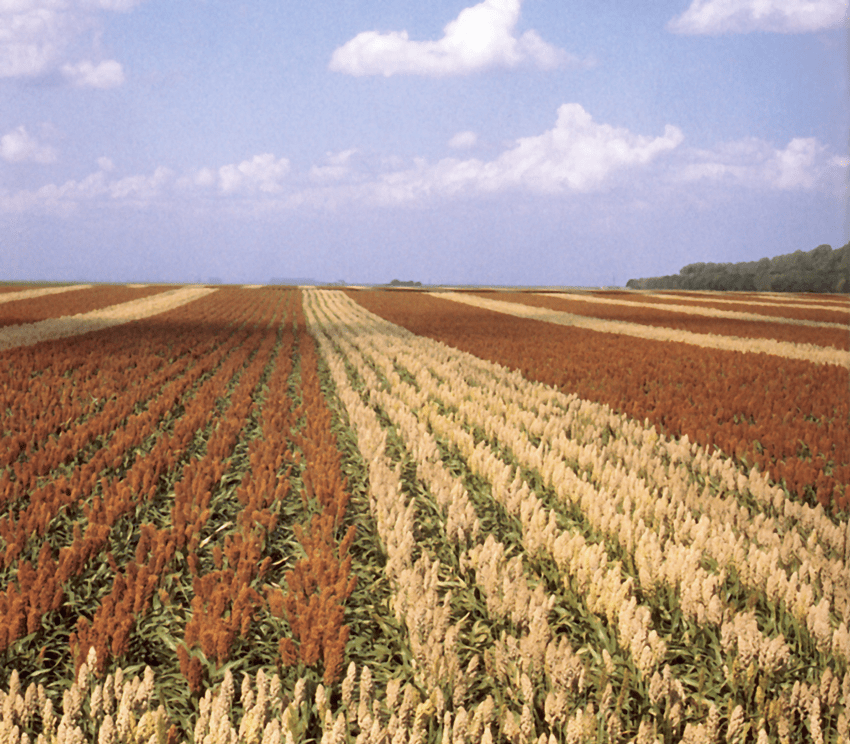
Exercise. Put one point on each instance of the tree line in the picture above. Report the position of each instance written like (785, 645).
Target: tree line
(821, 269)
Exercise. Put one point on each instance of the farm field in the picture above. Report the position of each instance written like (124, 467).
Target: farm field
(268, 514)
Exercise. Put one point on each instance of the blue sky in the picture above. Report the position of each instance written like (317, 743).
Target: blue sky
(535, 142)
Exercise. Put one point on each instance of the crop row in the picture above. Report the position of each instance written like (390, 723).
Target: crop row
(788, 417)
(105, 489)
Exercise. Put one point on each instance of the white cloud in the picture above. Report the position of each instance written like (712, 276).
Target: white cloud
(479, 38)
(463, 140)
(36, 35)
(32, 37)
(262, 173)
(742, 16)
(576, 155)
(142, 189)
(108, 74)
(19, 145)
(804, 164)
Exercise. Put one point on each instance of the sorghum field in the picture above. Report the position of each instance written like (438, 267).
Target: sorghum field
(272, 515)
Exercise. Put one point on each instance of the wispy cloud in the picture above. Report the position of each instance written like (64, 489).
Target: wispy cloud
(108, 74)
(743, 16)
(263, 173)
(576, 156)
(463, 140)
(19, 146)
(36, 36)
(480, 37)
(336, 166)
(803, 164)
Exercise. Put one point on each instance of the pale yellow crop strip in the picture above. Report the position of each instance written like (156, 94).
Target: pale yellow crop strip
(95, 320)
(741, 631)
(26, 294)
(696, 310)
(806, 352)
(415, 585)
(729, 299)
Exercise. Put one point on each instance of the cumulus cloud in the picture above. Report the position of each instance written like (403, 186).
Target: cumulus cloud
(576, 155)
(256, 179)
(262, 173)
(108, 74)
(143, 188)
(803, 164)
(743, 16)
(32, 37)
(36, 35)
(463, 140)
(19, 145)
(480, 37)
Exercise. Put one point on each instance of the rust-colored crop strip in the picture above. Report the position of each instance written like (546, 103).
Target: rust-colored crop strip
(138, 349)
(224, 601)
(134, 584)
(659, 317)
(836, 314)
(320, 583)
(39, 590)
(791, 417)
(19, 312)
